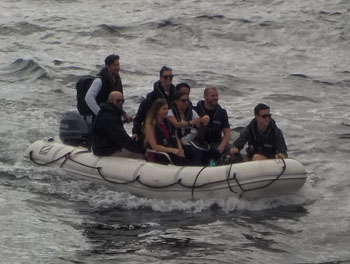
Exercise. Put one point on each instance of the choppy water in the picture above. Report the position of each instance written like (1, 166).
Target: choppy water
(293, 55)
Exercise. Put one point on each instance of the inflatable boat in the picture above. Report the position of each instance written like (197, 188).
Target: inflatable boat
(142, 178)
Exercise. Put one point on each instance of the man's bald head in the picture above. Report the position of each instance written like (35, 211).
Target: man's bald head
(115, 95)
(211, 97)
(116, 98)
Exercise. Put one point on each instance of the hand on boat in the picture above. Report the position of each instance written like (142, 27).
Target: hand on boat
(280, 156)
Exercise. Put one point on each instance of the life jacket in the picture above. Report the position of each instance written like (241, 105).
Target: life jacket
(188, 117)
(214, 130)
(160, 137)
(262, 144)
(162, 140)
(108, 85)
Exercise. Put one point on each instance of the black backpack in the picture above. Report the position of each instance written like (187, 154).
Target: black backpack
(82, 87)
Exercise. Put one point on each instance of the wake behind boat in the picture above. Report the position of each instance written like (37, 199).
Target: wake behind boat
(248, 180)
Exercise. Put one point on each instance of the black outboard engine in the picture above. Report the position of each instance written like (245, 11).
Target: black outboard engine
(75, 130)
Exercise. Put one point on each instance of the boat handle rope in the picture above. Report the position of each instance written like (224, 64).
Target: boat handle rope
(234, 178)
(68, 156)
(257, 188)
(195, 180)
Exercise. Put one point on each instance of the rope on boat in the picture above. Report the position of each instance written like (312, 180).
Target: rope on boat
(68, 156)
(256, 188)
(228, 179)
(138, 179)
(50, 162)
(82, 164)
(195, 180)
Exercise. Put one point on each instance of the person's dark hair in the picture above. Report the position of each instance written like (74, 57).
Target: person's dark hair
(177, 95)
(163, 69)
(110, 59)
(179, 85)
(259, 107)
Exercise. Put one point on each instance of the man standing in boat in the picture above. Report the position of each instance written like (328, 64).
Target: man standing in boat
(265, 139)
(108, 80)
(218, 132)
(108, 133)
(163, 88)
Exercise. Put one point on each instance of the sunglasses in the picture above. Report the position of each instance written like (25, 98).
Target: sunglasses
(266, 116)
(184, 100)
(168, 76)
(118, 101)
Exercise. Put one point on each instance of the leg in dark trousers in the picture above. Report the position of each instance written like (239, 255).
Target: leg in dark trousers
(193, 155)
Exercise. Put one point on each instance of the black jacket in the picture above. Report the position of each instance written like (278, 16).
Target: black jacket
(218, 121)
(108, 85)
(108, 133)
(158, 92)
(268, 144)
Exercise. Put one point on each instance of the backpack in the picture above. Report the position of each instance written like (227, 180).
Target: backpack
(82, 87)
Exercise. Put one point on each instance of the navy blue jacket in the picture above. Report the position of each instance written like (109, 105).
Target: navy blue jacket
(268, 144)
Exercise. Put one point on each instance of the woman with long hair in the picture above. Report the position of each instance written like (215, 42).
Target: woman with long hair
(187, 122)
(160, 134)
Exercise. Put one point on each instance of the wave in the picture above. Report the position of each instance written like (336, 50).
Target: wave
(342, 83)
(290, 97)
(21, 70)
(299, 75)
(105, 30)
(211, 17)
(22, 28)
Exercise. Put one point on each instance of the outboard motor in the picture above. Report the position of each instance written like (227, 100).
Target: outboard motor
(75, 130)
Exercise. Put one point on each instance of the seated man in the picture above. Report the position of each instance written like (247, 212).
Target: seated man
(108, 133)
(218, 132)
(265, 139)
